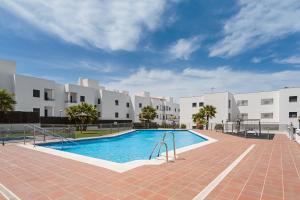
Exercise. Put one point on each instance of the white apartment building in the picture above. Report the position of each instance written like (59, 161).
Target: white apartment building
(51, 99)
(166, 109)
(280, 107)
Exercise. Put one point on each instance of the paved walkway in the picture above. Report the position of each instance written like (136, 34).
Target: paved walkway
(269, 171)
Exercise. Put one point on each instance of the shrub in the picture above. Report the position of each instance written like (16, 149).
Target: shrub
(183, 126)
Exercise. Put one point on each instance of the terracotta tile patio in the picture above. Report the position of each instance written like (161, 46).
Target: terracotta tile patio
(270, 171)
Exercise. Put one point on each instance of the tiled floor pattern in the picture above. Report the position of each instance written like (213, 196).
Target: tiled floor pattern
(270, 170)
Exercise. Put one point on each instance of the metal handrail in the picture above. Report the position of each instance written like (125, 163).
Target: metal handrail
(44, 132)
(160, 144)
(174, 144)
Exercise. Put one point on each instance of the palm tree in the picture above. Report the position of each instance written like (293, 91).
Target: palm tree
(82, 114)
(7, 101)
(148, 114)
(209, 113)
(199, 118)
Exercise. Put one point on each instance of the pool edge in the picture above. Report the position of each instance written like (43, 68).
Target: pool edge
(114, 166)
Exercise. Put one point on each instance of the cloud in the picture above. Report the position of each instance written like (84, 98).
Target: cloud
(183, 48)
(105, 24)
(256, 60)
(294, 60)
(196, 81)
(257, 22)
(97, 67)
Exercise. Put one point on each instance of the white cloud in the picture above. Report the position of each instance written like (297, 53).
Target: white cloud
(258, 22)
(183, 48)
(256, 60)
(196, 81)
(104, 24)
(294, 60)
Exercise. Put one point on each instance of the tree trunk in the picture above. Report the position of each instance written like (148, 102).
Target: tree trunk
(207, 122)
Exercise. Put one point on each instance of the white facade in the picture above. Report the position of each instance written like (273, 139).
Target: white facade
(278, 107)
(166, 109)
(51, 99)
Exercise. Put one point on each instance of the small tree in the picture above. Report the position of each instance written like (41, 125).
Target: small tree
(199, 118)
(82, 114)
(7, 101)
(148, 114)
(209, 113)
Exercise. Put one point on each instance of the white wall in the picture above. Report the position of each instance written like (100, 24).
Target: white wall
(285, 106)
(7, 71)
(255, 108)
(24, 86)
(109, 108)
(187, 110)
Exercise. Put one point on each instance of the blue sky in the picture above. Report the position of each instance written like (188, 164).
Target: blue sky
(168, 47)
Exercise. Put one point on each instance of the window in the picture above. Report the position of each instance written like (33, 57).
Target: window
(127, 104)
(266, 115)
(292, 114)
(46, 113)
(242, 102)
(99, 101)
(156, 116)
(243, 115)
(229, 117)
(127, 115)
(201, 104)
(82, 98)
(267, 101)
(36, 93)
(99, 114)
(292, 98)
(175, 109)
(116, 115)
(194, 105)
(157, 107)
(229, 103)
(116, 102)
(36, 110)
(140, 105)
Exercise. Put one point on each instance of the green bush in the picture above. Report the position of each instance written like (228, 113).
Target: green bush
(183, 126)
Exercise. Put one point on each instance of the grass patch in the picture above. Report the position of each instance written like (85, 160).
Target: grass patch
(95, 133)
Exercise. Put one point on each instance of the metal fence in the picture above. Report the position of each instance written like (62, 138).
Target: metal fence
(10, 133)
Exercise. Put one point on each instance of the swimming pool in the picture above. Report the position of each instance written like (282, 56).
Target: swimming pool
(132, 146)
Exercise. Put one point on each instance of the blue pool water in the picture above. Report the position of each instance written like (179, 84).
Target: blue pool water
(136, 145)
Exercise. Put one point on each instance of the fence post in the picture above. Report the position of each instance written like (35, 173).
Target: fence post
(44, 135)
(24, 134)
(34, 136)
(2, 133)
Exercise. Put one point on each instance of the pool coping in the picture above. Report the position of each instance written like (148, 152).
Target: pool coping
(120, 167)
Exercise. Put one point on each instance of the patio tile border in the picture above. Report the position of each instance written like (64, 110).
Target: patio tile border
(9, 195)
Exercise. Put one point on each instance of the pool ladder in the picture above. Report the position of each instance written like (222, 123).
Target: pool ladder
(163, 143)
